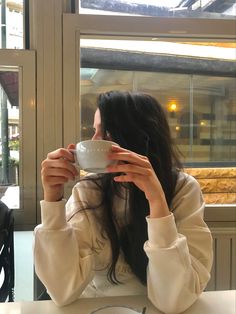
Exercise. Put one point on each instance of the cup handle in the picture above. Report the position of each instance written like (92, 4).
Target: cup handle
(73, 151)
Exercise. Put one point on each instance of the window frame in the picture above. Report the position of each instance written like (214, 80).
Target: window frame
(24, 60)
(77, 25)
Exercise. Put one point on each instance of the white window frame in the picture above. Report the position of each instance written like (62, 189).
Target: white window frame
(24, 61)
(77, 25)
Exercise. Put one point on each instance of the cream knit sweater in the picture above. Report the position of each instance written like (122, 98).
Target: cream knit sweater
(71, 255)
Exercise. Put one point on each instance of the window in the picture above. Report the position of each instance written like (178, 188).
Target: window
(188, 79)
(9, 138)
(11, 20)
(187, 65)
(201, 116)
(17, 134)
(164, 8)
(17, 116)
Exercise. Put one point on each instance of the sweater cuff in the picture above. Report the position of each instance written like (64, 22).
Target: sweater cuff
(53, 214)
(162, 232)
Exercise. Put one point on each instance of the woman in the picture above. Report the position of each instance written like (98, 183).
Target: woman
(137, 229)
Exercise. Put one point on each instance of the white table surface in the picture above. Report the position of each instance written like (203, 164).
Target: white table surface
(211, 302)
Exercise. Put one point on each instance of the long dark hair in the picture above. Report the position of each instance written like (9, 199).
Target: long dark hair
(137, 122)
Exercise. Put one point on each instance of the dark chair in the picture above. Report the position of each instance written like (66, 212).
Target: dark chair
(7, 270)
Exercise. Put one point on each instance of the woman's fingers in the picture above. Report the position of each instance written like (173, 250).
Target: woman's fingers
(135, 178)
(61, 153)
(56, 181)
(58, 168)
(59, 164)
(134, 168)
(130, 157)
(116, 149)
(130, 164)
(71, 146)
(130, 168)
(137, 169)
(58, 172)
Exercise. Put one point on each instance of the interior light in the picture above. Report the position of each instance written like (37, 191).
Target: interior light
(173, 107)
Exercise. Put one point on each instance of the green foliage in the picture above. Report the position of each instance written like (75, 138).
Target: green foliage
(14, 145)
(12, 162)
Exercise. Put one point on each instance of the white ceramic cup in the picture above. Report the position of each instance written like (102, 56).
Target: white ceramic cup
(109, 309)
(91, 155)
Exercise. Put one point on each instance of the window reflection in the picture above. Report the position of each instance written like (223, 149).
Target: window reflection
(11, 20)
(9, 138)
(194, 81)
(164, 8)
(202, 120)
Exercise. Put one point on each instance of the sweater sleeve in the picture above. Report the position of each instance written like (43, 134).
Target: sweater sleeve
(179, 249)
(63, 254)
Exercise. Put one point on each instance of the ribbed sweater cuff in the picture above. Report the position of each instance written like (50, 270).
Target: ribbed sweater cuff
(162, 232)
(53, 214)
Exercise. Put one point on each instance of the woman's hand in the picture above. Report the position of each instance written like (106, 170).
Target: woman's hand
(137, 169)
(57, 169)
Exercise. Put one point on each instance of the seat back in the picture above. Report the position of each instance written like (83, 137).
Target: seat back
(7, 271)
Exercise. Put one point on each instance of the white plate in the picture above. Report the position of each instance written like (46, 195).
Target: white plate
(115, 310)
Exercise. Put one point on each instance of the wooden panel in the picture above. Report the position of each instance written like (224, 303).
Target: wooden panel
(212, 283)
(223, 263)
(226, 213)
(233, 263)
(223, 272)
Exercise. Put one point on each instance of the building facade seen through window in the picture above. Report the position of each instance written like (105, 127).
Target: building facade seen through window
(11, 37)
(11, 20)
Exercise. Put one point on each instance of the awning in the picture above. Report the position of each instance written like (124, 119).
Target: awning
(9, 83)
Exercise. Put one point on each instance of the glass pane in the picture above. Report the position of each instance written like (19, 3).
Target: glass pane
(204, 134)
(11, 19)
(214, 111)
(195, 83)
(189, 80)
(225, 50)
(9, 137)
(166, 8)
